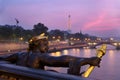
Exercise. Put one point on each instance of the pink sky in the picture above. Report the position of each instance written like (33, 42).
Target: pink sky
(94, 17)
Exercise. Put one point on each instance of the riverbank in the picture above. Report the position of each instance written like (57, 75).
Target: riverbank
(6, 48)
(54, 49)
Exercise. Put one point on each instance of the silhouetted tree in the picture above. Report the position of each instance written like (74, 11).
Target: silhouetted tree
(28, 34)
(13, 32)
(40, 28)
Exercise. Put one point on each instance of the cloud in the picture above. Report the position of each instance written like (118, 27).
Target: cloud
(93, 24)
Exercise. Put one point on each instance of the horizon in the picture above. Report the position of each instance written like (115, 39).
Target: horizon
(94, 17)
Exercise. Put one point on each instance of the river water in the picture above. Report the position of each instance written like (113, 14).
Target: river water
(109, 66)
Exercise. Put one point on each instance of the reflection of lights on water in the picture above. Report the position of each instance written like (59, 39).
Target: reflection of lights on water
(52, 54)
(65, 52)
(87, 52)
(74, 50)
(56, 54)
(78, 50)
(111, 54)
(85, 47)
(111, 58)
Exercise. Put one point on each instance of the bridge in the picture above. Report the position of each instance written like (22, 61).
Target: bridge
(93, 44)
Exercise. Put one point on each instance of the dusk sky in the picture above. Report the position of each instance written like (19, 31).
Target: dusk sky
(94, 17)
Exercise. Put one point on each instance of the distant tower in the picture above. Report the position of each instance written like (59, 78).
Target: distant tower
(69, 23)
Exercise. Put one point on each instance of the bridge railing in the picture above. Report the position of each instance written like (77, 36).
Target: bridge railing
(25, 73)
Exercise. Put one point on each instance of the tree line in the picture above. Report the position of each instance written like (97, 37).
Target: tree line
(15, 32)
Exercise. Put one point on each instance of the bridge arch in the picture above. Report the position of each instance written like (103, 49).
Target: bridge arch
(94, 44)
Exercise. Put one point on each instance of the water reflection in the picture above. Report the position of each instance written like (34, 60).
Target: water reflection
(109, 69)
(65, 52)
(111, 56)
(58, 53)
(87, 52)
(74, 52)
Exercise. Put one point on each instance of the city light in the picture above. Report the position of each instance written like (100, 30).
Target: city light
(99, 39)
(71, 38)
(21, 38)
(111, 39)
(59, 37)
(115, 44)
(53, 37)
(78, 39)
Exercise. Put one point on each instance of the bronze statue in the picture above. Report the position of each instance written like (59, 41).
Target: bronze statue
(35, 58)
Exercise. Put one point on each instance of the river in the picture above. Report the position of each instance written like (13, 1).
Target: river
(109, 66)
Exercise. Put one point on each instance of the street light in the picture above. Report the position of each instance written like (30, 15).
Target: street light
(53, 37)
(21, 38)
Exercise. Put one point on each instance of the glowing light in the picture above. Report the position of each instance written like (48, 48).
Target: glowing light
(85, 47)
(88, 39)
(53, 37)
(94, 43)
(71, 38)
(111, 39)
(21, 38)
(89, 43)
(111, 56)
(59, 37)
(56, 54)
(78, 39)
(65, 52)
(58, 40)
(74, 38)
(85, 39)
(87, 52)
(99, 39)
(9, 50)
(115, 44)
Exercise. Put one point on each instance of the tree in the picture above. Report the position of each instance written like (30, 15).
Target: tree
(28, 34)
(40, 28)
(6, 31)
(57, 34)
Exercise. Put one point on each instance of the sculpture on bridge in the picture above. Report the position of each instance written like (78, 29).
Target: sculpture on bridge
(35, 58)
